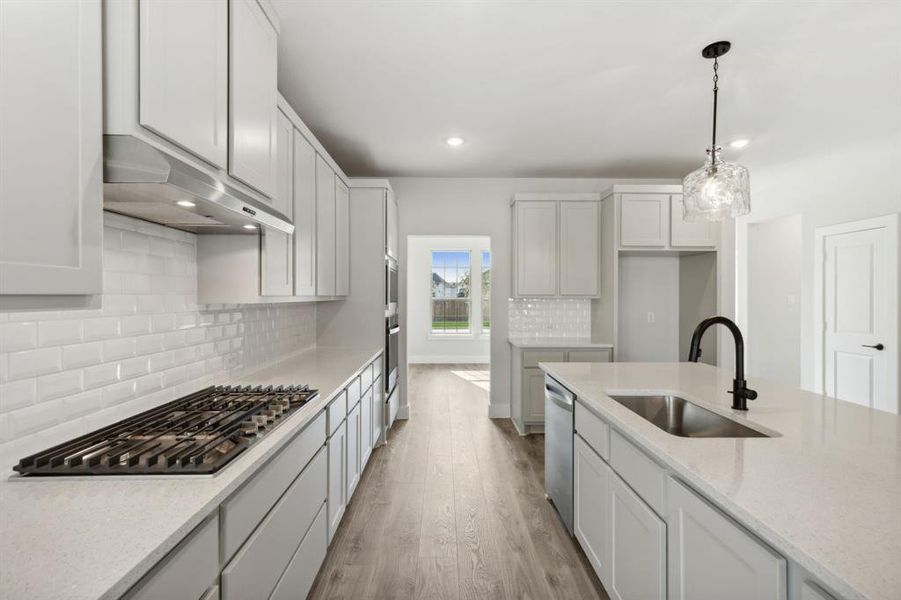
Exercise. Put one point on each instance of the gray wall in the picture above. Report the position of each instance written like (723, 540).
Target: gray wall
(648, 284)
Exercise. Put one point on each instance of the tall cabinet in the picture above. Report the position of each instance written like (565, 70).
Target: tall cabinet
(556, 245)
(51, 147)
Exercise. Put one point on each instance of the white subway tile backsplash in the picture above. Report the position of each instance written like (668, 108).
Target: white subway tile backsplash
(82, 355)
(549, 317)
(30, 363)
(16, 335)
(58, 385)
(17, 394)
(148, 342)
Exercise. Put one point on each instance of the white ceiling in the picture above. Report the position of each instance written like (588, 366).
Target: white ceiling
(593, 89)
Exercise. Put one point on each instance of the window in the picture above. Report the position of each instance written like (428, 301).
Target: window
(486, 291)
(451, 306)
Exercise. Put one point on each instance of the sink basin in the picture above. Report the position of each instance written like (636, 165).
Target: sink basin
(678, 416)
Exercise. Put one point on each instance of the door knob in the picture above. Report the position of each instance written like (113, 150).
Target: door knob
(876, 347)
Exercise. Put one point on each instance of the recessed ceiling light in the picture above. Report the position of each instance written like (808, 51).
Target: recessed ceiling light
(739, 143)
(186, 203)
(454, 141)
(249, 226)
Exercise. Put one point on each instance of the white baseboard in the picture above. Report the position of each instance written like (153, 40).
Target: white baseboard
(498, 411)
(448, 359)
(403, 412)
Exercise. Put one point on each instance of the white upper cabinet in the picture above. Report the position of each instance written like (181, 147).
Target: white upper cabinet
(184, 75)
(342, 239)
(50, 147)
(304, 216)
(644, 220)
(277, 248)
(683, 233)
(391, 226)
(325, 228)
(536, 248)
(253, 56)
(580, 248)
(557, 245)
(710, 557)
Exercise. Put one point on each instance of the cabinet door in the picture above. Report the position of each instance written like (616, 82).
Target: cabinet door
(353, 450)
(591, 493)
(711, 557)
(378, 409)
(580, 235)
(644, 220)
(391, 226)
(277, 252)
(533, 396)
(365, 428)
(536, 248)
(325, 228)
(684, 233)
(184, 75)
(50, 147)
(253, 47)
(304, 216)
(637, 547)
(342, 239)
(283, 199)
(337, 478)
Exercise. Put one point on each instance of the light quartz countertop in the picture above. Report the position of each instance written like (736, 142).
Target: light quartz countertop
(556, 342)
(825, 493)
(95, 537)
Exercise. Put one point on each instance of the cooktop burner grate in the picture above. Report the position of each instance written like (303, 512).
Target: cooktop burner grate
(196, 434)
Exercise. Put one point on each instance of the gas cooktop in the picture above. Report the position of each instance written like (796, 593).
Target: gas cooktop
(196, 434)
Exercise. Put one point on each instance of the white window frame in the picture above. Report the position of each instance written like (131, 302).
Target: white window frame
(462, 335)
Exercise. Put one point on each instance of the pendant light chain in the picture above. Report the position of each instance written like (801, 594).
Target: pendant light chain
(716, 78)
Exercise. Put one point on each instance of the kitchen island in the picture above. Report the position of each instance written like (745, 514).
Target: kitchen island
(94, 537)
(823, 491)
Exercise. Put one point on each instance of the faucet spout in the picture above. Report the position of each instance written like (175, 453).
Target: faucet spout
(740, 391)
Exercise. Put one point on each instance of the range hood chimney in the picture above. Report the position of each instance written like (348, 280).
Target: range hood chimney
(143, 181)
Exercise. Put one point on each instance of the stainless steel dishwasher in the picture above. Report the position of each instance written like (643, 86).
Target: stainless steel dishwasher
(558, 448)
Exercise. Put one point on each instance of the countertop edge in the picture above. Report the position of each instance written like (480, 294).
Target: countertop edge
(742, 516)
(556, 343)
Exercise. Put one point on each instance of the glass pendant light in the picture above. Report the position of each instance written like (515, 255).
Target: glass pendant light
(719, 189)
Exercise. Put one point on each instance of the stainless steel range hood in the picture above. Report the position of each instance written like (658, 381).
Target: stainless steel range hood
(143, 181)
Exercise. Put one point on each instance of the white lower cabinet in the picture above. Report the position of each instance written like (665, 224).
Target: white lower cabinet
(637, 546)
(353, 450)
(337, 478)
(365, 428)
(533, 395)
(591, 493)
(711, 557)
(259, 564)
(378, 410)
(298, 578)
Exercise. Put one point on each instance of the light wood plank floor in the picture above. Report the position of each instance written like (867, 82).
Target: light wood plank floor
(454, 507)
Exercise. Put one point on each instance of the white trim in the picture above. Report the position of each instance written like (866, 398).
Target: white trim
(891, 224)
(403, 413)
(447, 359)
(499, 411)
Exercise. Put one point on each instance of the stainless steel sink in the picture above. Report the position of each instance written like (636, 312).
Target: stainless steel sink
(678, 416)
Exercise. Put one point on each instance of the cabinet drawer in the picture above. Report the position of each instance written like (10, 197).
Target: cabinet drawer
(245, 508)
(353, 393)
(595, 356)
(593, 430)
(301, 572)
(256, 568)
(366, 378)
(337, 411)
(187, 571)
(642, 474)
(531, 358)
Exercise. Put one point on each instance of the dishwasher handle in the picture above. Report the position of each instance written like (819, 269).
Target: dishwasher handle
(558, 395)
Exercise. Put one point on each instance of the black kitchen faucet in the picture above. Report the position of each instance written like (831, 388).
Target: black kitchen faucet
(740, 391)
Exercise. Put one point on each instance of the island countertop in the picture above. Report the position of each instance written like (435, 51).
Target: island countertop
(91, 538)
(825, 492)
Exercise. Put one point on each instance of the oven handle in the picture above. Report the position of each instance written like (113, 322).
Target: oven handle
(393, 330)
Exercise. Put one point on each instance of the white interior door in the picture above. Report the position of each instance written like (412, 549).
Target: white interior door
(860, 313)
